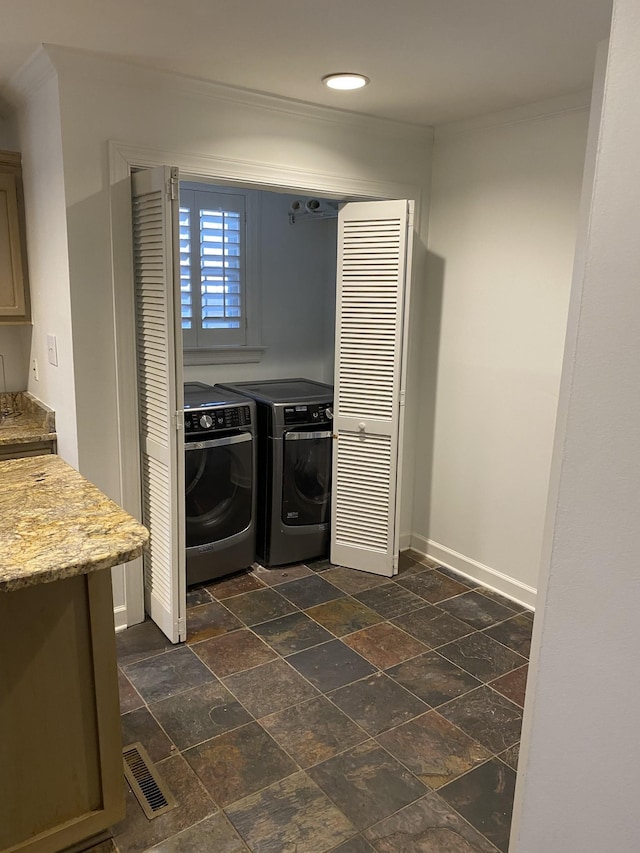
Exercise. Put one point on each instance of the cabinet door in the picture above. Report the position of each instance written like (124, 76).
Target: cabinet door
(13, 302)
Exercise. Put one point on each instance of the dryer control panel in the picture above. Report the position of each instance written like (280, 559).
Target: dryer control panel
(208, 419)
(307, 414)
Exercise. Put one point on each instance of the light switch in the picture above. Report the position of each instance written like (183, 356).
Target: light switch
(52, 350)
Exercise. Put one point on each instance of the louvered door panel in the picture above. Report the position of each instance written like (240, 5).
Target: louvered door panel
(157, 306)
(372, 270)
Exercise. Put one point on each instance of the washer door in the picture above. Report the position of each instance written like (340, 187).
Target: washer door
(306, 477)
(218, 488)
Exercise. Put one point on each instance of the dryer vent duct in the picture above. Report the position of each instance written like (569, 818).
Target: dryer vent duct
(312, 208)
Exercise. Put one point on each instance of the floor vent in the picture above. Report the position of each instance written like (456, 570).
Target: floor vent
(151, 793)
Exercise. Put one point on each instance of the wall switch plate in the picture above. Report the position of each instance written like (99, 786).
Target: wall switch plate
(34, 369)
(52, 350)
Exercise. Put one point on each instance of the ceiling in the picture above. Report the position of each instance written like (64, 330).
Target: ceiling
(430, 61)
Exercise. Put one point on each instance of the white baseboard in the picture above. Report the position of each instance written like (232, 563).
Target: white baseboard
(405, 541)
(491, 578)
(120, 617)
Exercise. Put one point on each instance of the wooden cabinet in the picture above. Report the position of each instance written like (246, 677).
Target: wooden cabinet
(14, 283)
(29, 448)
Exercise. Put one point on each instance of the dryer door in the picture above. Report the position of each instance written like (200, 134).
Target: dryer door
(306, 477)
(218, 488)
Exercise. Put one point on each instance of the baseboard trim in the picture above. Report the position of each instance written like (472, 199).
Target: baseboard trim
(120, 617)
(491, 578)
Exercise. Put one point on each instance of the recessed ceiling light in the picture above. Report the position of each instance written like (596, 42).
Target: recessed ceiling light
(345, 80)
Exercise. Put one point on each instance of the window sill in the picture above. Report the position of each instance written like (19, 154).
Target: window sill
(222, 355)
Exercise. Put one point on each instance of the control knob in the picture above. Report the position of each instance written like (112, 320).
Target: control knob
(206, 421)
(328, 413)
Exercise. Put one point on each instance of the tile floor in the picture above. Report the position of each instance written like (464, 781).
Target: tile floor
(317, 709)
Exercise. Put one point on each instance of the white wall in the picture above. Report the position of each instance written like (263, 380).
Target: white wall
(38, 122)
(15, 345)
(504, 205)
(294, 146)
(578, 782)
(297, 278)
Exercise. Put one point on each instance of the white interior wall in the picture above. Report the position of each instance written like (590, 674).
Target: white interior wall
(581, 720)
(297, 283)
(15, 346)
(311, 148)
(38, 124)
(504, 204)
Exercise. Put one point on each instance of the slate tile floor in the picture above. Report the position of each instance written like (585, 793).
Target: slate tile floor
(317, 709)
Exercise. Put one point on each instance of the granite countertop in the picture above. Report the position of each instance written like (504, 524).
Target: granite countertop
(27, 419)
(54, 524)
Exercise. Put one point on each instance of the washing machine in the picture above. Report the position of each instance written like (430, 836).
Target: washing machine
(220, 475)
(294, 418)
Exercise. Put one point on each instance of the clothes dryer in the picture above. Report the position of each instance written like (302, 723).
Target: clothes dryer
(294, 467)
(220, 494)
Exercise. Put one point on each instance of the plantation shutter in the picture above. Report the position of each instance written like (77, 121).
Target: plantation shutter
(374, 253)
(156, 253)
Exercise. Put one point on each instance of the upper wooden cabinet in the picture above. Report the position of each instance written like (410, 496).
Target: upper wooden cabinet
(14, 281)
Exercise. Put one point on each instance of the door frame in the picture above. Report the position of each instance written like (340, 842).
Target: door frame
(123, 159)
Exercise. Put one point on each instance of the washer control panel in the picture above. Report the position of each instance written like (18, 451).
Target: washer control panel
(207, 420)
(308, 414)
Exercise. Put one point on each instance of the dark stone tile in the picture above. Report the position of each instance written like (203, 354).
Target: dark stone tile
(427, 826)
(139, 642)
(476, 610)
(200, 714)
(319, 566)
(209, 620)
(344, 616)
(313, 731)
(434, 749)
(432, 586)
(431, 626)
(357, 844)
(212, 835)
(238, 763)
(130, 699)
(432, 678)
(513, 685)
(269, 688)
(107, 846)
(509, 603)
(136, 833)
(384, 645)
(510, 756)
(234, 652)
(410, 565)
(196, 596)
(292, 633)
(390, 600)
(481, 656)
(330, 665)
(529, 614)
(377, 703)
(290, 815)
(485, 798)
(366, 783)
(307, 592)
(281, 574)
(140, 727)
(259, 606)
(456, 576)
(234, 585)
(515, 633)
(351, 580)
(492, 720)
(165, 675)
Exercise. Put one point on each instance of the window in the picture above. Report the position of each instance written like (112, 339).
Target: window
(218, 273)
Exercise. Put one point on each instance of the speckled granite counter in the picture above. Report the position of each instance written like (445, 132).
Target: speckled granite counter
(54, 524)
(28, 419)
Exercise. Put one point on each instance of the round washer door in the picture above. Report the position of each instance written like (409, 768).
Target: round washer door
(306, 477)
(218, 488)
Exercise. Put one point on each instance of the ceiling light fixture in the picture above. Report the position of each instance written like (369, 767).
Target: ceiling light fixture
(345, 80)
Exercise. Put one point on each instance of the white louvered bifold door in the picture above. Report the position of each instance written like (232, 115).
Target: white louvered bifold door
(159, 357)
(374, 253)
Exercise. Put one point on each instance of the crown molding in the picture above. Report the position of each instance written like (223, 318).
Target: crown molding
(33, 74)
(99, 67)
(539, 110)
